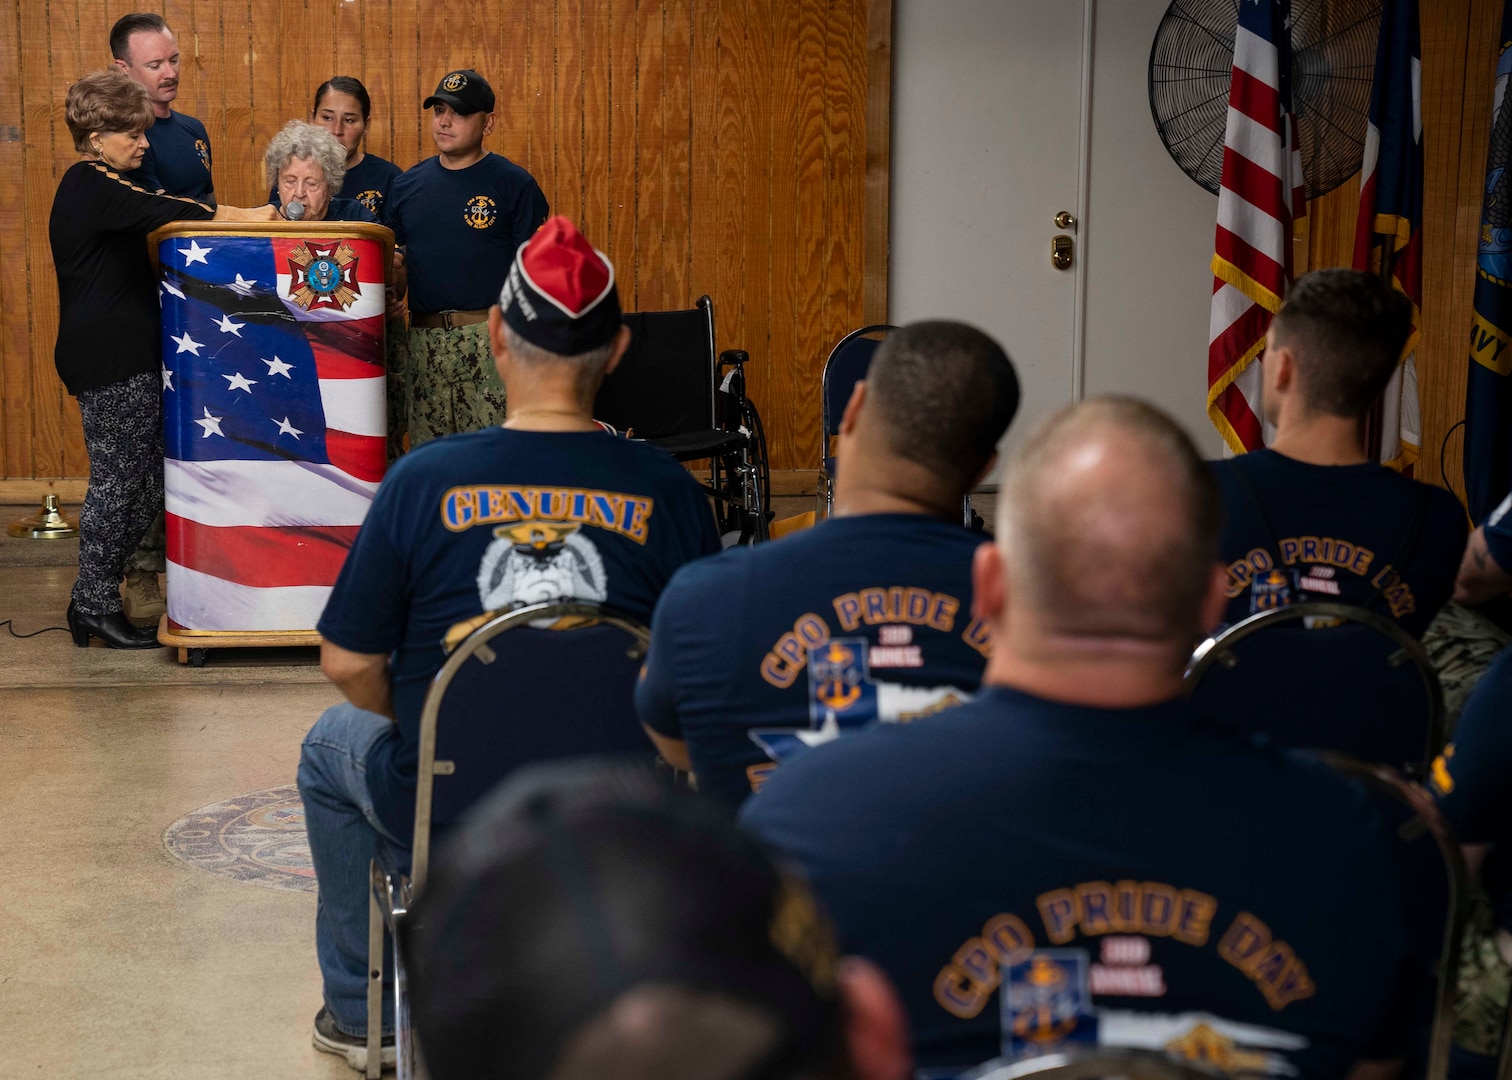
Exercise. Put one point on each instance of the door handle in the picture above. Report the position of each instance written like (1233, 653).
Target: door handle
(1061, 250)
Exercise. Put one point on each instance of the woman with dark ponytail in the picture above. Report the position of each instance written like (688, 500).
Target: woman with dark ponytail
(342, 107)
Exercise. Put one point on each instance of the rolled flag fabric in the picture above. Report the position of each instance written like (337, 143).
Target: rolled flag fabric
(1389, 233)
(274, 422)
(1488, 392)
(1260, 196)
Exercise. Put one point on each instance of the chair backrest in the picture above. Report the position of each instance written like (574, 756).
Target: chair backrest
(1356, 683)
(845, 367)
(1109, 1062)
(1427, 845)
(664, 384)
(538, 683)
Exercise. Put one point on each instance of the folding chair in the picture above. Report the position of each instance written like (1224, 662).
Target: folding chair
(1324, 676)
(1426, 840)
(846, 365)
(1103, 1062)
(672, 391)
(547, 681)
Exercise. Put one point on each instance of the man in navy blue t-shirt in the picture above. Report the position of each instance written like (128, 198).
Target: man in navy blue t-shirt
(1075, 856)
(1485, 573)
(1470, 782)
(1313, 516)
(178, 162)
(178, 157)
(765, 651)
(459, 216)
(545, 507)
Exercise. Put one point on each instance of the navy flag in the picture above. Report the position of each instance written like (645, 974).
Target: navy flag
(1488, 393)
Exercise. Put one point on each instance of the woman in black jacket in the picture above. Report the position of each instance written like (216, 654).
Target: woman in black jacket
(108, 338)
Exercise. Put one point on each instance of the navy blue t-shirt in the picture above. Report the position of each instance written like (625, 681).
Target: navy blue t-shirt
(460, 229)
(1498, 533)
(1472, 778)
(1344, 533)
(367, 183)
(764, 651)
(177, 159)
(1027, 871)
(452, 535)
(349, 210)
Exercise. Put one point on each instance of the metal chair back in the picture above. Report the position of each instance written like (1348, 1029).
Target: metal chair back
(846, 365)
(1363, 687)
(1426, 841)
(542, 682)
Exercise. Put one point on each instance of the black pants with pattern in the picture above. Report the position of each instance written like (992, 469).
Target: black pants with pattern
(123, 433)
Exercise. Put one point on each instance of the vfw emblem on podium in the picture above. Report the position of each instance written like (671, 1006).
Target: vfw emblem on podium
(323, 276)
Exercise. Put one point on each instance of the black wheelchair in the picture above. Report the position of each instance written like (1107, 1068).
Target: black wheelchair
(674, 391)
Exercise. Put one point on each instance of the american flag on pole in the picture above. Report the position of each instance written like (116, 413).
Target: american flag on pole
(274, 421)
(1389, 233)
(1260, 196)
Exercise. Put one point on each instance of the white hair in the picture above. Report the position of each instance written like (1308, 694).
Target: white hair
(307, 142)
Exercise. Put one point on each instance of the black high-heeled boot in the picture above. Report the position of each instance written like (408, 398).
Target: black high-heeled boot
(113, 629)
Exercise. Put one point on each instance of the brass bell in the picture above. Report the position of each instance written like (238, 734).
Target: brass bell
(49, 523)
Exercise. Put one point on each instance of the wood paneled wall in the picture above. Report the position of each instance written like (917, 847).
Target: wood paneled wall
(1459, 66)
(716, 146)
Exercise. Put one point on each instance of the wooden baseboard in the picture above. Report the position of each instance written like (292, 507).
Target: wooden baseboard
(70, 489)
(24, 492)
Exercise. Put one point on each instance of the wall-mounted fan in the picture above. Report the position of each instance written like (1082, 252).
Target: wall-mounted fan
(1333, 61)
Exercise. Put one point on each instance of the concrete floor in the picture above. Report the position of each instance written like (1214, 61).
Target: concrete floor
(117, 960)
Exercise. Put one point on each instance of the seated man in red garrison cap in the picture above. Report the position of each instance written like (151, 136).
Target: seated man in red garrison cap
(445, 543)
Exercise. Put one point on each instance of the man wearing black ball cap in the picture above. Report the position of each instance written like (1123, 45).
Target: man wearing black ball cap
(459, 218)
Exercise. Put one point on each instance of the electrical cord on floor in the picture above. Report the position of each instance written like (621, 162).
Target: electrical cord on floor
(1443, 446)
(9, 624)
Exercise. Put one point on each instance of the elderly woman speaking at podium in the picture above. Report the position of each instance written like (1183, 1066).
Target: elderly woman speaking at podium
(306, 165)
(108, 350)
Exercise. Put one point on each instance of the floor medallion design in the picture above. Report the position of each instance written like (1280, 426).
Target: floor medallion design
(258, 838)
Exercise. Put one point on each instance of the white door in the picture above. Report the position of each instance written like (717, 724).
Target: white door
(986, 142)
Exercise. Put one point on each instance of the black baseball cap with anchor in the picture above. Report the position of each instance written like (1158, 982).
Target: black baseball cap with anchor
(465, 91)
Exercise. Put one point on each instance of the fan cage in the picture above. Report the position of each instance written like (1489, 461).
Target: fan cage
(1333, 64)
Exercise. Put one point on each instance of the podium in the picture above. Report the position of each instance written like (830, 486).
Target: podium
(274, 421)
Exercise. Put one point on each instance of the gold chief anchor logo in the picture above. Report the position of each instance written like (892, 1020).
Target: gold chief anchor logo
(454, 82)
(839, 676)
(479, 212)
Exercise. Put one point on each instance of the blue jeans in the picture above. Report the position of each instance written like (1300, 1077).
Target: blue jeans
(344, 834)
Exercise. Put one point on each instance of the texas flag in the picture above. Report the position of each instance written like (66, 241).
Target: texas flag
(273, 422)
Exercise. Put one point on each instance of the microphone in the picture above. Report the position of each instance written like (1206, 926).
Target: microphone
(294, 210)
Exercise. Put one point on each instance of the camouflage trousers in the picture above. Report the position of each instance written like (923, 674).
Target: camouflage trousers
(453, 385)
(1480, 1010)
(1462, 644)
(151, 553)
(396, 371)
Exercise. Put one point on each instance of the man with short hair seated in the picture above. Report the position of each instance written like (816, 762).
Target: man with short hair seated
(1313, 516)
(546, 507)
(1485, 572)
(1076, 856)
(765, 651)
(1469, 780)
(588, 924)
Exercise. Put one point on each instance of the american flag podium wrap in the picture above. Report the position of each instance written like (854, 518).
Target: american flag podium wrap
(274, 420)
